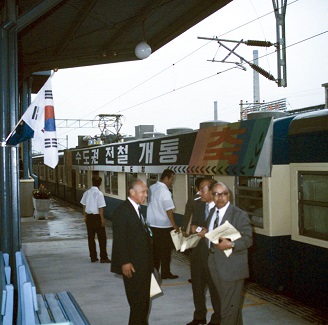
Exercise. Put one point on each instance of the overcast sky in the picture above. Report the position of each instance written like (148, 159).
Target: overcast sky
(178, 85)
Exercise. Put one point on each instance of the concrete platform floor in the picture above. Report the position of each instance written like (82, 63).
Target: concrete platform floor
(57, 253)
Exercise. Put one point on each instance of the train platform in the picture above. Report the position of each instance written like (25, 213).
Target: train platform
(57, 252)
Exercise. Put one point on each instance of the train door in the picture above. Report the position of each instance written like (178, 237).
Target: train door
(191, 185)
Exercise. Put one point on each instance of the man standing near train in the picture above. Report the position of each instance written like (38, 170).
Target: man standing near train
(161, 220)
(132, 254)
(200, 273)
(93, 203)
(229, 272)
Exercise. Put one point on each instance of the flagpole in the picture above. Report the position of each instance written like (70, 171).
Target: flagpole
(10, 134)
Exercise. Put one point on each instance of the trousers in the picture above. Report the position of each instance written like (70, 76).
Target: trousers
(93, 223)
(162, 246)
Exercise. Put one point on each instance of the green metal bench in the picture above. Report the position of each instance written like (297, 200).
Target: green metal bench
(50, 308)
(7, 291)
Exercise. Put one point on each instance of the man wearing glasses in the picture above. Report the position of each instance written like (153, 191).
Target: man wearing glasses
(228, 273)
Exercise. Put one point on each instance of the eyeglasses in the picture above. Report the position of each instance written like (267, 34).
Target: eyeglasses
(220, 194)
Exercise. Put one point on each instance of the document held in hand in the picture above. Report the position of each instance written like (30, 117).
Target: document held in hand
(182, 243)
(155, 289)
(227, 230)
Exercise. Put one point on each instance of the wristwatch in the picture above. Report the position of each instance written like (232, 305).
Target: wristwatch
(232, 244)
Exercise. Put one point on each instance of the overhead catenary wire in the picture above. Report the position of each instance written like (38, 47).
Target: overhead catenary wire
(213, 75)
(203, 79)
(175, 89)
(177, 62)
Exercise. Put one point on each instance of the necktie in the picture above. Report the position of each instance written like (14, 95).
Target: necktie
(141, 216)
(143, 222)
(216, 221)
(207, 211)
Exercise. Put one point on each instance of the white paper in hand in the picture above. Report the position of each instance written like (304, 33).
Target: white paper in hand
(227, 230)
(177, 239)
(155, 289)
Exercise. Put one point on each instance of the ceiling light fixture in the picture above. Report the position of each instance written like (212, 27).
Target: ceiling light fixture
(142, 50)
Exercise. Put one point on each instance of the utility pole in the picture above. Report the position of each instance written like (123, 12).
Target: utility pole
(280, 13)
(256, 79)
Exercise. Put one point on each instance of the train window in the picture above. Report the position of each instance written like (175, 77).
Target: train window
(249, 198)
(83, 179)
(128, 178)
(152, 179)
(51, 174)
(313, 204)
(61, 174)
(111, 183)
(42, 172)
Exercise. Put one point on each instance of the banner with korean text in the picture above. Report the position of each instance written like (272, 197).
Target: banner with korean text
(236, 149)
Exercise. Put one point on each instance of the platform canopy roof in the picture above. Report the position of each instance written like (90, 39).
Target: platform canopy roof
(71, 33)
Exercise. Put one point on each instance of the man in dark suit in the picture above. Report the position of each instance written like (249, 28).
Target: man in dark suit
(132, 254)
(189, 209)
(200, 273)
(228, 273)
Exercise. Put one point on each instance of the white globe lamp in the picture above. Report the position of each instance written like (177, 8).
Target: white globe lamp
(142, 50)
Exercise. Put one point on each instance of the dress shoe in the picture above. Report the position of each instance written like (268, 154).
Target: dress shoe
(197, 322)
(107, 260)
(170, 276)
(94, 260)
(210, 323)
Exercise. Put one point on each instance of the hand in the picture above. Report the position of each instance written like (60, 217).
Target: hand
(193, 229)
(176, 228)
(103, 222)
(184, 234)
(223, 244)
(128, 270)
(203, 232)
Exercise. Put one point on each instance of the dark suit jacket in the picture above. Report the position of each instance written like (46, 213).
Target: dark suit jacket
(200, 252)
(189, 211)
(235, 267)
(131, 243)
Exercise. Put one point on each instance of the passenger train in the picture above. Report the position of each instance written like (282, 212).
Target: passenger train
(276, 169)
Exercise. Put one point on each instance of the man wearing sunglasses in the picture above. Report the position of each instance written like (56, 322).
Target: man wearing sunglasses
(228, 273)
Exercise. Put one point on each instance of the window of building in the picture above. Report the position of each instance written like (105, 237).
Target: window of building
(111, 183)
(249, 198)
(313, 204)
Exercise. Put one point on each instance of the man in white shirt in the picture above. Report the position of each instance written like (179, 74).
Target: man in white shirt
(161, 220)
(93, 203)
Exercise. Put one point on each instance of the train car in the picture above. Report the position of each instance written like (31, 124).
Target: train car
(276, 169)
